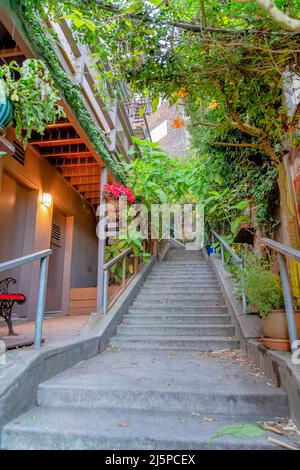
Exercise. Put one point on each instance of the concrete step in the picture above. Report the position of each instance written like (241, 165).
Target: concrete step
(90, 429)
(175, 294)
(192, 283)
(186, 343)
(184, 263)
(170, 289)
(160, 389)
(185, 271)
(184, 258)
(176, 330)
(163, 318)
(182, 277)
(145, 302)
(181, 310)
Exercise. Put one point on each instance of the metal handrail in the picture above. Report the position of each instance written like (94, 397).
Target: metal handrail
(237, 259)
(280, 248)
(117, 258)
(40, 308)
(105, 268)
(282, 252)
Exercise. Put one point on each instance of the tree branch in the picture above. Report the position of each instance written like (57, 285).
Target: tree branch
(285, 21)
(228, 144)
(194, 27)
(209, 124)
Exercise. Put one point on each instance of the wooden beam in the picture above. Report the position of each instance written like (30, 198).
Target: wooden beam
(59, 125)
(81, 171)
(82, 188)
(76, 165)
(85, 179)
(56, 141)
(92, 194)
(13, 52)
(69, 154)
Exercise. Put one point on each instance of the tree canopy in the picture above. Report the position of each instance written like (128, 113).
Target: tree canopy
(229, 61)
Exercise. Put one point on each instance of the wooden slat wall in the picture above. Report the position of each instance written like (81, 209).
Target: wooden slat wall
(83, 301)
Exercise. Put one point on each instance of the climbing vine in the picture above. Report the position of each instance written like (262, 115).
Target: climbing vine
(43, 41)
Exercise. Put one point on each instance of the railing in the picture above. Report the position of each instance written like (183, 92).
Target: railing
(237, 259)
(122, 256)
(40, 308)
(282, 252)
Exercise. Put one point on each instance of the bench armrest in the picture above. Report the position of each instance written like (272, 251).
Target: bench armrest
(5, 283)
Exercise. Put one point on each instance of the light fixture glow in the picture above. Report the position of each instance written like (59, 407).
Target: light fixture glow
(46, 199)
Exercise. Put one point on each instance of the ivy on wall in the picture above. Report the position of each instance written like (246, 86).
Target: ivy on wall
(70, 90)
(236, 173)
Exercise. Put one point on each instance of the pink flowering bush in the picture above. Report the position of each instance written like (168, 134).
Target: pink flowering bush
(115, 190)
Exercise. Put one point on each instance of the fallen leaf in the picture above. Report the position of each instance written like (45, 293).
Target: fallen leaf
(242, 430)
(208, 419)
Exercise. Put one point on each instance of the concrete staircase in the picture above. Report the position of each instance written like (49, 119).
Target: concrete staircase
(179, 307)
(156, 389)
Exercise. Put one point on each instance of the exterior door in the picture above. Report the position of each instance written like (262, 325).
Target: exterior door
(13, 213)
(56, 263)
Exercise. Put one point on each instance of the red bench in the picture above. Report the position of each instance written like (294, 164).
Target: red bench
(7, 301)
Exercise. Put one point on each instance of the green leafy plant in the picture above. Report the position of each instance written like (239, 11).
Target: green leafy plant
(34, 96)
(117, 247)
(262, 287)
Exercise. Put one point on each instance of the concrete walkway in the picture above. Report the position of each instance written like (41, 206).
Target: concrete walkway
(149, 400)
(55, 329)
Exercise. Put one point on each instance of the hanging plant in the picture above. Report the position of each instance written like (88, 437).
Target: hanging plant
(6, 108)
(30, 90)
(116, 190)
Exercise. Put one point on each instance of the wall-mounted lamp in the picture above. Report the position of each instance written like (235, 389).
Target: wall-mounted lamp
(46, 199)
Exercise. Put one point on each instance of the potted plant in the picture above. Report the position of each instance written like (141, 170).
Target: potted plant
(264, 293)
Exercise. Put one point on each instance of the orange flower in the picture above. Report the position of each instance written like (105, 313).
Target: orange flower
(178, 123)
(182, 93)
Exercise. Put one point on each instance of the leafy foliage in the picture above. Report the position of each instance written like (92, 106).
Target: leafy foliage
(117, 247)
(230, 59)
(45, 43)
(262, 287)
(232, 175)
(33, 94)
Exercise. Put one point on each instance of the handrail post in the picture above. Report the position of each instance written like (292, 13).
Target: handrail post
(222, 256)
(40, 309)
(105, 291)
(288, 302)
(244, 298)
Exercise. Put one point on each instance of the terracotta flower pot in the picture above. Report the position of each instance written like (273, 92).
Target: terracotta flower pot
(277, 344)
(275, 325)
